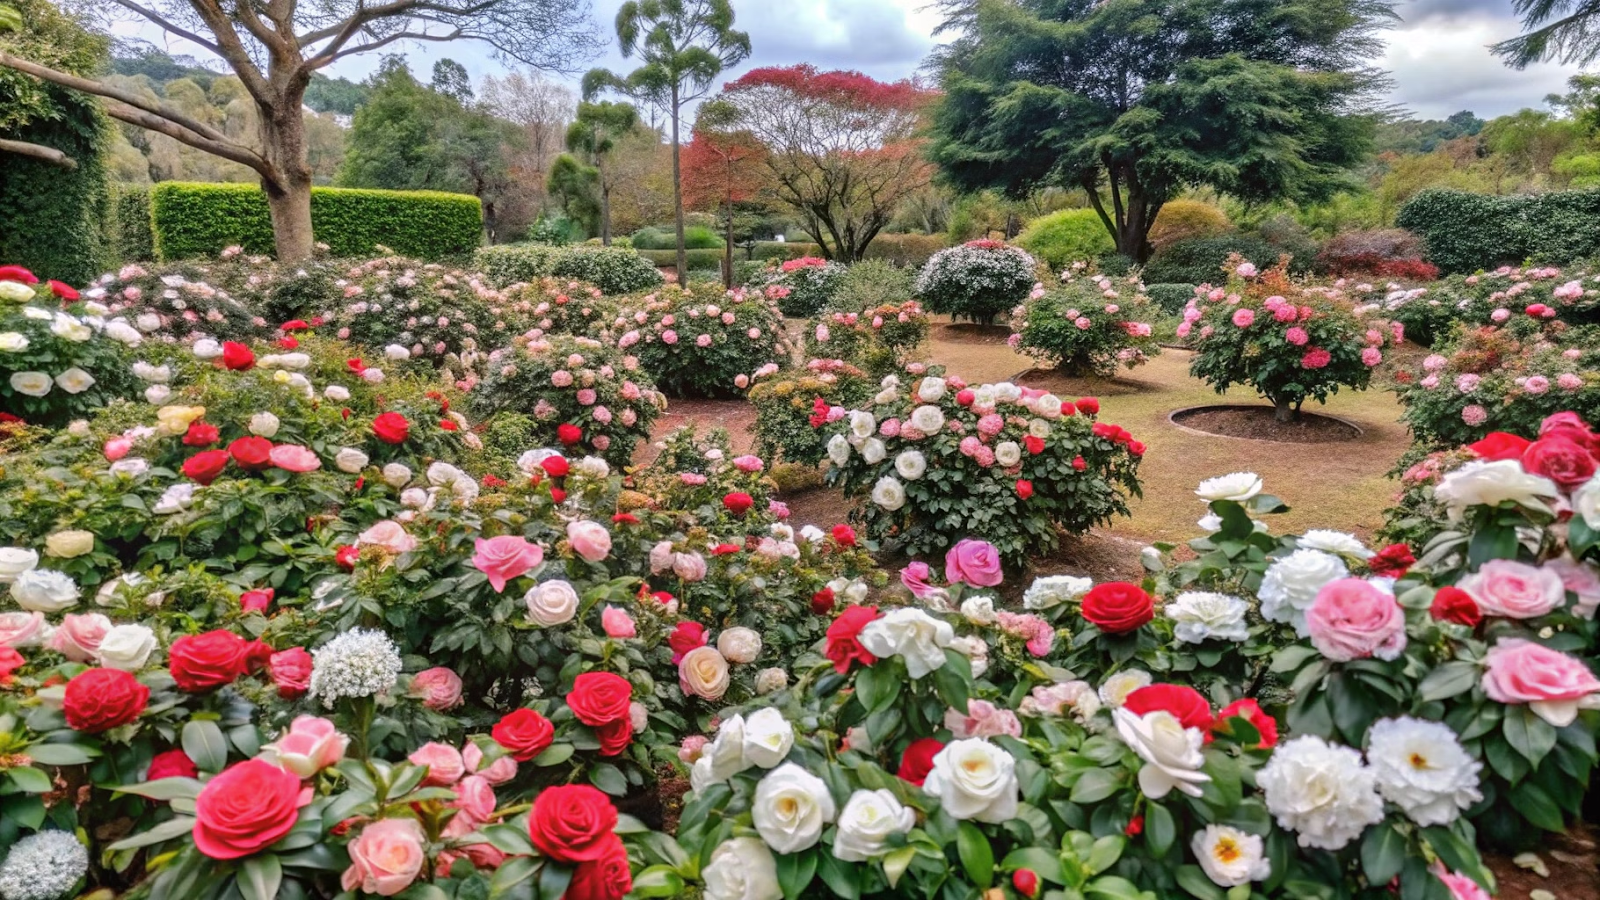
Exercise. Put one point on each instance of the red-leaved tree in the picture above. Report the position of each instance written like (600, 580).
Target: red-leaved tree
(840, 148)
(722, 169)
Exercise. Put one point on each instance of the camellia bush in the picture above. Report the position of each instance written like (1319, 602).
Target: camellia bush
(792, 406)
(803, 287)
(978, 280)
(1087, 325)
(697, 345)
(59, 357)
(879, 339)
(1250, 332)
(425, 309)
(558, 306)
(189, 299)
(932, 460)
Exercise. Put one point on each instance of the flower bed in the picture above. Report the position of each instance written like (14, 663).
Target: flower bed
(188, 299)
(978, 280)
(879, 339)
(696, 345)
(1087, 325)
(58, 362)
(425, 309)
(791, 407)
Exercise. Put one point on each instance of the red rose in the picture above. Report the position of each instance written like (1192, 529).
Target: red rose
(256, 601)
(1068, 410)
(201, 434)
(1089, 406)
(1185, 704)
(346, 556)
(558, 495)
(1560, 460)
(917, 761)
(449, 425)
(391, 428)
(1026, 883)
(822, 601)
(246, 809)
(1251, 712)
(1566, 419)
(687, 636)
(1498, 445)
(1137, 448)
(18, 273)
(102, 699)
(568, 434)
(251, 452)
(294, 325)
(172, 763)
(290, 671)
(1452, 604)
(1079, 463)
(63, 290)
(524, 733)
(614, 738)
(205, 466)
(200, 662)
(738, 502)
(572, 823)
(844, 646)
(355, 365)
(966, 397)
(600, 698)
(10, 661)
(287, 342)
(606, 878)
(237, 356)
(1393, 561)
(257, 655)
(1024, 488)
(725, 549)
(1035, 445)
(1117, 607)
(555, 466)
(844, 535)
(1135, 826)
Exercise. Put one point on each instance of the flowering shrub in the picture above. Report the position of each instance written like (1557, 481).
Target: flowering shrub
(565, 307)
(190, 299)
(58, 361)
(802, 287)
(935, 460)
(425, 309)
(1290, 350)
(880, 339)
(978, 280)
(1384, 253)
(695, 346)
(1086, 325)
(791, 407)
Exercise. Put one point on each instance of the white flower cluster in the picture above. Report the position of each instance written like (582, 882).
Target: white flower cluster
(1199, 616)
(1054, 590)
(43, 866)
(359, 663)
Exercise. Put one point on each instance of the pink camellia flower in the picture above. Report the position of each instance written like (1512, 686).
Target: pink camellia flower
(1500, 315)
(689, 566)
(290, 671)
(889, 428)
(386, 857)
(1083, 323)
(1297, 336)
(915, 578)
(727, 318)
(496, 773)
(669, 337)
(505, 557)
(443, 761)
(693, 745)
(617, 623)
(692, 479)
(561, 378)
(294, 458)
(439, 688)
(1353, 619)
(1038, 634)
(1554, 685)
(587, 397)
(1244, 317)
(1460, 886)
(1536, 384)
(982, 720)
(589, 540)
(753, 333)
(990, 425)
(778, 508)
(970, 446)
(703, 340)
(116, 448)
(1285, 313)
(748, 463)
(1474, 415)
(1316, 358)
(389, 535)
(1568, 381)
(1468, 382)
(1371, 356)
(1435, 362)
(79, 636)
(973, 562)
(1246, 270)
(984, 457)
(310, 745)
(1515, 590)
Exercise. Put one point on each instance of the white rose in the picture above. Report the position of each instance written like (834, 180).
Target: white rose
(742, 869)
(264, 424)
(442, 474)
(790, 808)
(74, 380)
(592, 467)
(1171, 753)
(372, 376)
(866, 823)
(1202, 615)
(723, 758)
(126, 647)
(32, 384)
(979, 609)
(396, 352)
(175, 498)
(1320, 790)
(396, 475)
(147, 322)
(13, 341)
(931, 389)
(768, 737)
(157, 394)
(206, 348)
(152, 374)
(44, 590)
(1586, 502)
(813, 534)
(974, 779)
(889, 493)
(771, 680)
(976, 652)
(1007, 453)
(1048, 406)
(911, 464)
(873, 451)
(1422, 768)
(862, 425)
(740, 645)
(1486, 483)
(295, 361)
(337, 393)
(67, 544)
(856, 591)
(1054, 590)
(15, 292)
(838, 449)
(130, 467)
(551, 603)
(1114, 691)
(927, 419)
(1330, 541)
(1238, 487)
(14, 561)
(69, 328)
(349, 460)
(1292, 582)
(1230, 857)
(911, 634)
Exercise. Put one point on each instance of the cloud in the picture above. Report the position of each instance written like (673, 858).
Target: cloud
(1440, 70)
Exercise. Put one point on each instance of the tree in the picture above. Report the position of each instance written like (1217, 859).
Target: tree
(275, 46)
(540, 107)
(840, 148)
(450, 78)
(683, 45)
(1133, 101)
(722, 167)
(577, 188)
(594, 136)
(1563, 30)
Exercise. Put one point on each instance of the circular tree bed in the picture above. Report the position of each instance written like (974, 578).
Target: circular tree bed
(1257, 423)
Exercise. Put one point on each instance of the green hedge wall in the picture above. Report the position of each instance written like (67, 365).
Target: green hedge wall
(697, 259)
(133, 240)
(1465, 232)
(201, 219)
(52, 219)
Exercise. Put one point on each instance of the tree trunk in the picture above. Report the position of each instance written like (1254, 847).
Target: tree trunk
(283, 143)
(677, 188)
(605, 213)
(727, 251)
(1283, 410)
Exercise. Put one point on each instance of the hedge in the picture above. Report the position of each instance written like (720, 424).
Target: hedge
(191, 219)
(1172, 298)
(906, 250)
(1465, 232)
(53, 220)
(508, 264)
(697, 259)
(784, 250)
(132, 237)
(1199, 260)
(615, 270)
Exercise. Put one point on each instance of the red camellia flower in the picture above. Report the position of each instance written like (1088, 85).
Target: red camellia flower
(822, 601)
(1024, 488)
(391, 428)
(571, 823)
(345, 557)
(63, 290)
(1251, 712)
(606, 878)
(1026, 882)
(966, 397)
(256, 601)
(288, 342)
(1089, 406)
(600, 698)
(251, 452)
(524, 733)
(1393, 561)
(555, 466)
(295, 325)
(626, 519)
(1452, 604)
(200, 662)
(568, 434)
(237, 356)
(1117, 607)
(1498, 445)
(687, 636)
(614, 738)
(201, 434)
(1068, 409)
(355, 365)
(99, 700)
(738, 502)
(558, 495)
(844, 645)
(1079, 463)
(1185, 704)
(844, 535)
(172, 763)
(18, 273)
(1137, 448)
(725, 549)
(917, 761)
(205, 466)
(1035, 445)
(246, 809)
(1560, 460)
(449, 425)
(290, 671)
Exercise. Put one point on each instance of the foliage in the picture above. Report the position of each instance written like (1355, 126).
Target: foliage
(695, 237)
(698, 260)
(1554, 228)
(135, 242)
(871, 283)
(978, 280)
(508, 264)
(788, 406)
(1086, 325)
(1063, 238)
(1182, 220)
(403, 308)
(59, 359)
(614, 270)
(1385, 253)
(706, 344)
(803, 287)
(190, 298)
(909, 251)
(1170, 298)
(880, 339)
(1201, 260)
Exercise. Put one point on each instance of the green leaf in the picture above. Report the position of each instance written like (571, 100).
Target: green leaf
(553, 881)
(1041, 862)
(166, 831)
(30, 780)
(512, 873)
(953, 680)
(1448, 680)
(1529, 735)
(1383, 853)
(1093, 786)
(1160, 830)
(896, 863)
(260, 875)
(205, 744)
(657, 881)
(555, 755)
(163, 789)
(610, 779)
(1193, 879)
(841, 878)
(1537, 807)
(1104, 853)
(61, 754)
(795, 871)
(977, 857)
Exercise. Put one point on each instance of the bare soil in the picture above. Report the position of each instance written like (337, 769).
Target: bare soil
(1573, 860)
(1257, 423)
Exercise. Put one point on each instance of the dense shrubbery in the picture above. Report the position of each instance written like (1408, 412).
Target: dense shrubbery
(508, 264)
(134, 241)
(615, 270)
(873, 283)
(1170, 298)
(909, 251)
(1183, 220)
(1385, 253)
(186, 298)
(1201, 260)
(879, 339)
(1549, 229)
(695, 237)
(1086, 325)
(792, 406)
(978, 280)
(702, 345)
(802, 287)
(59, 358)
(402, 306)
(1063, 238)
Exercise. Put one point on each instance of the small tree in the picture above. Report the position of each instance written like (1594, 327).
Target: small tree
(594, 135)
(722, 168)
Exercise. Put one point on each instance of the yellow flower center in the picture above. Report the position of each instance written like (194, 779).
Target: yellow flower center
(1418, 761)
(1226, 851)
(786, 806)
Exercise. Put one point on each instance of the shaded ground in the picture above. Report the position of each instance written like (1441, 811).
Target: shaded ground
(1571, 860)
(1261, 423)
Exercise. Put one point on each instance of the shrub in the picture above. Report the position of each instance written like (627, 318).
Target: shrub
(698, 260)
(802, 287)
(872, 283)
(910, 251)
(508, 264)
(191, 219)
(879, 339)
(792, 406)
(1086, 325)
(566, 307)
(611, 269)
(184, 298)
(134, 240)
(1065, 237)
(695, 237)
(1556, 228)
(1000, 463)
(280, 292)
(703, 345)
(1385, 253)
(58, 363)
(1200, 260)
(1182, 220)
(785, 249)
(401, 306)
(978, 280)
(1171, 298)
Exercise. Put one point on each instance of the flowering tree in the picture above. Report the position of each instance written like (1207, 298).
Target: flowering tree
(721, 169)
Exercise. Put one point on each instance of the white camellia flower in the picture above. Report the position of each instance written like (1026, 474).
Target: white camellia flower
(396, 353)
(592, 467)
(1114, 691)
(742, 868)
(862, 424)
(975, 650)
(979, 609)
(1330, 541)
(120, 331)
(126, 647)
(931, 389)
(983, 396)
(839, 449)
(1490, 483)
(15, 292)
(866, 823)
(336, 392)
(1422, 768)
(37, 314)
(911, 634)
(1054, 590)
(44, 590)
(927, 419)
(396, 475)
(157, 394)
(175, 499)
(14, 561)
(13, 341)
(206, 348)
(1171, 753)
(1039, 428)
(1230, 857)
(739, 645)
(1007, 453)
(68, 544)
(790, 808)
(349, 460)
(74, 380)
(551, 603)
(152, 374)
(768, 737)
(1320, 790)
(372, 376)
(1236, 486)
(974, 779)
(1006, 392)
(911, 464)
(1048, 406)
(873, 451)
(771, 680)
(1292, 582)
(69, 328)
(1201, 615)
(723, 758)
(889, 493)
(885, 397)
(32, 384)
(813, 534)
(264, 424)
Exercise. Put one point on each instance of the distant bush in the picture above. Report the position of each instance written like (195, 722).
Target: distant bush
(1385, 253)
(1066, 237)
(1466, 232)
(908, 250)
(1172, 298)
(979, 280)
(614, 270)
(872, 282)
(508, 264)
(802, 287)
(696, 237)
(1200, 260)
(1183, 220)
(134, 240)
(784, 250)
(697, 259)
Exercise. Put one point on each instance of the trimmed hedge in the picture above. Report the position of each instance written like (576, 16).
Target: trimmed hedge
(1466, 232)
(907, 250)
(54, 221)
(1067, 236)
(785, 250)
(508, 264)
(134, 241)
(191, 219)
(697, 259)
(1199, 260)
(614, 270)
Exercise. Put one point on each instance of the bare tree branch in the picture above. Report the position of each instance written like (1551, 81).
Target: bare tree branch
(47, 154)
(168, 25)
(89, 86)
(225, 149)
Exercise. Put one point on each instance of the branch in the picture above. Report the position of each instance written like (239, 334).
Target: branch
(225, 149)
(38, 151)
(167, 25)
(87, 86)
(373, 45)
(231, 49)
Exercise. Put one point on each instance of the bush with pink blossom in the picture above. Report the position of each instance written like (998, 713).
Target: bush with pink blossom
(879, 339)
(427, 309)
(186, 299)
(1087, 324)
(801, 287)
(562, 306)
(700, 342)
(792, 405)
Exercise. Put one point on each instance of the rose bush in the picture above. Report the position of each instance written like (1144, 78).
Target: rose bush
(60, 357)
(803, 287)
(1086, 325)
(426, 309)
(880, 339)
(978, 280)
(790, 407)
(701, 346)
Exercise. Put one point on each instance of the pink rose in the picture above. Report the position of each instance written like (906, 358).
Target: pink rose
(1352, 619)
(1461, 887)
(1580, 579)
(498, 772)
(748, 463)
(1515, 590)
(1553, 684)
(386, 858)
(78, 636)
(692, 747)
(439, 688)
(689, 566)
(617, 623)
(589, 540)
(1244, 317)
(505, 557)
(915, 578)
(982, 720)
(117, 448)
(290, 671)
(669, 337)
(443, 761)
(475, 798)
(388, 534)
(294, 458)
(973, 562)
(310, 745)
(1371, 356)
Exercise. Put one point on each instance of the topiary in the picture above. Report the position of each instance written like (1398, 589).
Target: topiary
(1182, 220)
(1066, 237)
(978, 280)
